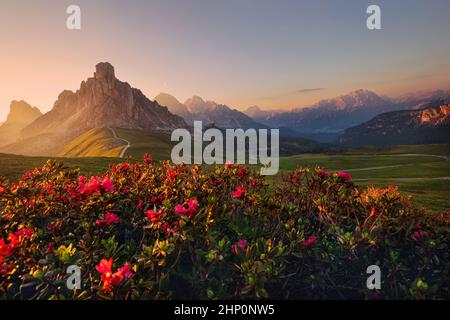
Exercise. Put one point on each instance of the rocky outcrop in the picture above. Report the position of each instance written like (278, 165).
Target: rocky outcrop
(103, 100)
(20, 115)
(431, 125)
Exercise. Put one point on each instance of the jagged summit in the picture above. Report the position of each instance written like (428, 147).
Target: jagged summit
(104, 70)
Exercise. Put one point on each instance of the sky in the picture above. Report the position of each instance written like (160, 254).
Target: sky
(274, 54)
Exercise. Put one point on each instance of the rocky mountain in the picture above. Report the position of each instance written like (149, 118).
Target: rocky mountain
(210, 112)
(423, 99)
(20, 115)
(174, 106)
(332, 116)
(103, 100)
(430, 125)
(259, 114)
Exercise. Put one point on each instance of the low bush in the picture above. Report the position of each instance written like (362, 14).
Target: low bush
(148, 231)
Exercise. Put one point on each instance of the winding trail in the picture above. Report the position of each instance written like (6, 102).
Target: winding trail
(122, 153)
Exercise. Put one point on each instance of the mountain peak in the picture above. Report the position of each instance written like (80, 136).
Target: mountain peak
(104, 70)
(22, 112)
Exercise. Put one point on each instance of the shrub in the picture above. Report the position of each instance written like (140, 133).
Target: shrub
(148, 231)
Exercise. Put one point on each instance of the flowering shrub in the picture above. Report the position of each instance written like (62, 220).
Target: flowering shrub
(160, 231)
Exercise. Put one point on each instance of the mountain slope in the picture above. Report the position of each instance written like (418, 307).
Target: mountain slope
(97, 142)
(431, 125)
(20, 115)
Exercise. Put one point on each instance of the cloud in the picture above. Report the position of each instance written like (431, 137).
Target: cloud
(307, 90)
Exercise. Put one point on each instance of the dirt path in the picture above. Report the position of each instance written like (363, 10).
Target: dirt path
(122, 153)
(446, 158)
(405, 179)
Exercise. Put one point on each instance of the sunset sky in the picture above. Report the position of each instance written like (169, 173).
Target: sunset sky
(275, 54)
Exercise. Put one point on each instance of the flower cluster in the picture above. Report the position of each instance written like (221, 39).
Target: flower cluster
(185, 231)
(112, 279)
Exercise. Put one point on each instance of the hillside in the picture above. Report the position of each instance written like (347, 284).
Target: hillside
(431, 125)
(97, 142)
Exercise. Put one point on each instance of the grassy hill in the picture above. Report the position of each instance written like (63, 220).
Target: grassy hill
(98, 142)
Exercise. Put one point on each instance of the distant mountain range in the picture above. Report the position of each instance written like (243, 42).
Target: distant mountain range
(79, 122)
(430, 125)
(328, 118)
(210, 112)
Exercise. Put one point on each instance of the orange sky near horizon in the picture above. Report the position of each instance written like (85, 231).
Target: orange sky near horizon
(164, 46)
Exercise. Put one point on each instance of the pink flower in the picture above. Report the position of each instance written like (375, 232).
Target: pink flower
(140, 204)
(419, 234)
(344, 175)
(228, 164)
(110, 218)
(240, 191)
(241, 244)
(323, 173)
(148, 158)
(126, 271)
(308, 243)
(190, 210)
(94, 184)
(107, 185)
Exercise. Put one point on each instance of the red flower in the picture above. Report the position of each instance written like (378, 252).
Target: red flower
(308, 243)
(190, 210)
(51, 248)
(110, 279)
(140, 204)
(2, 189)
(241, 244)
(344, 175)
(228, 164)
(110, 218)
(154, 216)
(126, 271)
(240, 191)
(107, 185)
(105, 266)
(148, 158)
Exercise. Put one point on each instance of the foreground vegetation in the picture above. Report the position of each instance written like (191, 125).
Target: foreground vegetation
(414, 169)
(147, 231)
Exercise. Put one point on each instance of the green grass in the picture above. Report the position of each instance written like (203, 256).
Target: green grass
(12, 166)
(437, 149)
(418, 176)
(344, 162)
(158, 144)
(98, 142)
